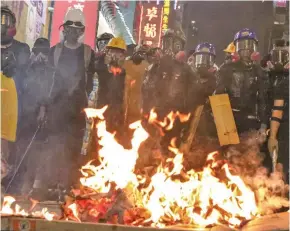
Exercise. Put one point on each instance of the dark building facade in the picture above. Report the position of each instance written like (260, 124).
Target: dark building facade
(218, 21)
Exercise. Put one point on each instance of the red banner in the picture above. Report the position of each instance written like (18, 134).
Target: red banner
(90, 9)
(150, 28)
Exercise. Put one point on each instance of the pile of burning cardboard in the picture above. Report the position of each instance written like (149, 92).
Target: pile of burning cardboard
(114, 192)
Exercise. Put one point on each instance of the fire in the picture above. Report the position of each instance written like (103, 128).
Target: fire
(7, 203)
(7, 209)
(169, 195)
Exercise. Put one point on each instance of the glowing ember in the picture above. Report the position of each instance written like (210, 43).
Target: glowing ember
(167, 196)
(172, 196)
(74, 210)
(6, 207)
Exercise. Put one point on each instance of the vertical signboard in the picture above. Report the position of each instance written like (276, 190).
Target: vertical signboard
(165, 18)
(90, 10)
(150, 28)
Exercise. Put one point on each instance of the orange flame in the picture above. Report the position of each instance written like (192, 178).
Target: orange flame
(201, 198)
(170, 195)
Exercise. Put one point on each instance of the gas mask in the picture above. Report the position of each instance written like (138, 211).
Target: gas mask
(8, 30)
(102, 44)
(279, 58)
(154, 55)
(115, 57)
(73, 34)
(245, 48)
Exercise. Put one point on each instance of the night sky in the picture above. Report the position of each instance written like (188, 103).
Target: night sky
(218, 22)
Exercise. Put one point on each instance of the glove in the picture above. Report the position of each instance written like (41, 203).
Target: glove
(263, 132)
(272, 145)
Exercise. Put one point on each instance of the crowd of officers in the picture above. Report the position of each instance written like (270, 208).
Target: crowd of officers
(44, 92)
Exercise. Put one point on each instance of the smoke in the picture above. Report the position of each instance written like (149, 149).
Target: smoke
(246, 161)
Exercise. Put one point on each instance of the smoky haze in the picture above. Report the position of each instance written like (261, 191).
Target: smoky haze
(218, 21)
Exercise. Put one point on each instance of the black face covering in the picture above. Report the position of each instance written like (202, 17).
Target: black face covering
(72, 34)
(137, 58)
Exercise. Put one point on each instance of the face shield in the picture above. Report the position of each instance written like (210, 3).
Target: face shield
(204, 60)
(245, 47)
(177, 46)
(280, 56)
(8, 29)
(168, 45)
(7, 19)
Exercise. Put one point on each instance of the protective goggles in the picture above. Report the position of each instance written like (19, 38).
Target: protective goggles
(71, 23)
(7, 19)
(246, 44)
(207, 60)
(102, 43)
(43, 50)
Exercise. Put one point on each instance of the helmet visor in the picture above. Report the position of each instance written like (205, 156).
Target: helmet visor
(246, 44)
(280, 56)
(206, 60)
(7, 19)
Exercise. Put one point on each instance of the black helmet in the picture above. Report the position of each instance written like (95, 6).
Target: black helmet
(41, 45)
(10, 20)
(105, 36)
(103, 40)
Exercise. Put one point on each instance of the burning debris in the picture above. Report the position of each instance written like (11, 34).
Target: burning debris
(115, 191)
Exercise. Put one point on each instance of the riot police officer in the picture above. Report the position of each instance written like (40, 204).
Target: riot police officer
(202, 62)
(278, 68)
(246, 83)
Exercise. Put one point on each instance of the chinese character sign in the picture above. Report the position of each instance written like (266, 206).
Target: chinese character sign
(90, 10)
(150, 24)
(165, 18)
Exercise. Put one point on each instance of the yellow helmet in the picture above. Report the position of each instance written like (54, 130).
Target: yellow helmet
(117, 42)
(231, 48)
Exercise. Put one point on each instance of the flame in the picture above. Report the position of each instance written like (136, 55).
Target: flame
(92, 113)
(115, 70)
(208, 197)
(7, 203)
(7, 209)
(73, 208)
(169, 195)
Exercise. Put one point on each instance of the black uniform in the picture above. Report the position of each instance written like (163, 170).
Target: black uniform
(169, 86)
(281, 92)
(206, 85)
(111, 93)
(247, 87)
(14, 61)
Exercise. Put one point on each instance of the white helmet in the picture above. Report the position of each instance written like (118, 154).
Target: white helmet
(76, 16)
